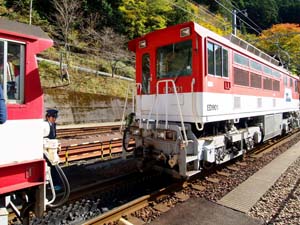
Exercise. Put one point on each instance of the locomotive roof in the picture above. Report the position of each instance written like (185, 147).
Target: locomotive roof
(232, 41)
(21, 29)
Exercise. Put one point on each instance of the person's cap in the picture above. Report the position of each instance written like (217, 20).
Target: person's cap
(52, 112)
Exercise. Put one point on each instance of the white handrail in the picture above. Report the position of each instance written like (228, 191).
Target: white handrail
(178, 104)
(139, 88)
(133, 90)
(193, 108)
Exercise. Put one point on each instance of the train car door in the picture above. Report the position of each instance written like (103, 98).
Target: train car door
(146, 78)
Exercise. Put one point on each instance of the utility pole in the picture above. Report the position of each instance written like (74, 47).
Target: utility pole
(234, 13)
(234, 22)
(30, 12)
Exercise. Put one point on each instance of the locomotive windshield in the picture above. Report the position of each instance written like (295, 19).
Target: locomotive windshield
(174, 60)
(12, 70)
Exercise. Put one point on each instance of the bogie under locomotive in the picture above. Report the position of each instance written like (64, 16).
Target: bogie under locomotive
(203, 99)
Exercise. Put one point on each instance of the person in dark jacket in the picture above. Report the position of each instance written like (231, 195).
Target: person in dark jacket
(3, 110)
(51, 115)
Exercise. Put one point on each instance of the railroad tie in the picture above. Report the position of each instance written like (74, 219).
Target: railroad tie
(161, 207)
(212, 180)
(182, 197)
(223, 173)
(198, 187)
(241, 163)
(234, 168)
(134, 220)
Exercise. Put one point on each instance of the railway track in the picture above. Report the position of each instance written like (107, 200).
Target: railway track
(97, 149)
(122, 201)
(274, 143)
(63, 133)
(212, 185)
(85, 143)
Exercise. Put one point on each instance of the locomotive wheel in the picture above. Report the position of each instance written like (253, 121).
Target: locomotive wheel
(207, 165)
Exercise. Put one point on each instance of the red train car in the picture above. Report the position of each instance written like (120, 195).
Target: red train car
(203, 99)
(22, 164)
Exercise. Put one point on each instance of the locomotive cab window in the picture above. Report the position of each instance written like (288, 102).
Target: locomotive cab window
(12, 70)
(217, 58)
(174, 60)
(146, 73)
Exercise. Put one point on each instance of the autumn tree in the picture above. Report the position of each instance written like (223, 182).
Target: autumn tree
(114, 49)
(282, 41)
(66, 14)
(108, 45)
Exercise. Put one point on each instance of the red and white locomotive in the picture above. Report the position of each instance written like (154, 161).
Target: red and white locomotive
(203, 99)
(22, 165)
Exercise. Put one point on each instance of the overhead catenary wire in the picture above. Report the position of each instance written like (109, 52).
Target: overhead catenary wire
(203, 9)
(213, 16)
(248, 18)
(250, 26)
(280, 49)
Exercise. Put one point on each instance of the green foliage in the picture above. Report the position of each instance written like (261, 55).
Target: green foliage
(143, 16)
(282, 41)
(92, 47)
(264, 12)
(182, 12)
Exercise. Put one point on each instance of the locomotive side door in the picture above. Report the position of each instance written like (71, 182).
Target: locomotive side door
(146, 77)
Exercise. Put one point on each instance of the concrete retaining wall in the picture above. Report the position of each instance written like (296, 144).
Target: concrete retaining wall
(80, 108)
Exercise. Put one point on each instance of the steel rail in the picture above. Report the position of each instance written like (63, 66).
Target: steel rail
(81, 131)
(134, 205)
(268, 146)
(117, 213)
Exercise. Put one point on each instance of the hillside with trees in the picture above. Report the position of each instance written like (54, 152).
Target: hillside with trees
(94, 34)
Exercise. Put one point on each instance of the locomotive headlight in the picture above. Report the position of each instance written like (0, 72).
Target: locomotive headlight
(184, 32)
(143, 44)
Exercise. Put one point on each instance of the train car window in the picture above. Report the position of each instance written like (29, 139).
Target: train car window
(242, 60)
(217, 60)
(225, 63)
(174, 60)
(291, 82)
(285, 81)
(268, 70)
(296, 86)
(12, 70)
(211, 58)
(276, 74)
(267, 83)
(276, 85)
(255, 65)
(146, 73)
(255, 80)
